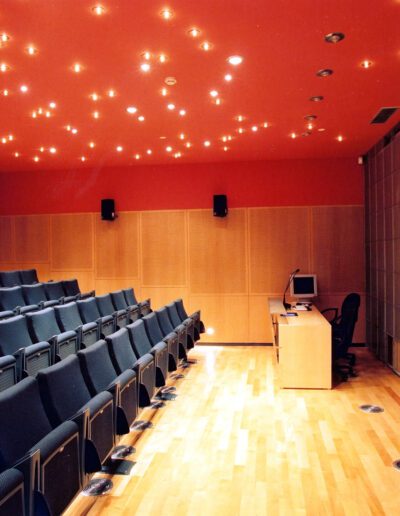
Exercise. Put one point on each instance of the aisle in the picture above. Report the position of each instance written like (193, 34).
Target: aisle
(232, 444)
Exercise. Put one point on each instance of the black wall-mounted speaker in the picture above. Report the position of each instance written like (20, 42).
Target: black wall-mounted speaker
(220, 206)
(108, 209)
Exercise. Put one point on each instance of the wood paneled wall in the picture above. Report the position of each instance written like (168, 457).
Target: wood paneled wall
(227, 267)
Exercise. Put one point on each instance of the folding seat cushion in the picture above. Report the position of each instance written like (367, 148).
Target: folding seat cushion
(27, 428)
(89, 312)
(123, 358)
(156, 335)
(12, 500)
(187, 323)
(8, 372)
(141, 345)
(28, 276)
(71, 288)
(106, 307)
(16, 340)
(69, 319)
(196, 316)
(167, 327)
(36, 295)
(43, 326)
(120, 303)
(130, 297)
(11, 298)
(55, 290)
(65, 394)
(10, 278)
(100, 375)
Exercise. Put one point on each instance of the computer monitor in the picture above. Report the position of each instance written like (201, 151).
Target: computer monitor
(304, 286)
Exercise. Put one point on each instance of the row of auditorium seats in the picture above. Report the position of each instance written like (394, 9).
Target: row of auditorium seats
(61, 426)
(20, 277)
(28, 298)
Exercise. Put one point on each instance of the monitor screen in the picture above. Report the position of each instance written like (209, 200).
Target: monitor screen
(304, 286)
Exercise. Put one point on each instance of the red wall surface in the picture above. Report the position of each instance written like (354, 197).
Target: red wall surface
(184, 186)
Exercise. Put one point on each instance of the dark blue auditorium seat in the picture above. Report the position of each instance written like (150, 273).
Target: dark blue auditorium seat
(130, 297)
(28, 276)
(12, 498)
(187, 323)
(155, 335)
(106, 307)
(12, 298)
(167, 327)
(36, 295)
(10, 278)
(196, 316)
(55, 291)
(71, 288)
(69, 319)
(89, 312)
(120, 303)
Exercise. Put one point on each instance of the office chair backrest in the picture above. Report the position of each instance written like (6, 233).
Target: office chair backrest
(349, 317)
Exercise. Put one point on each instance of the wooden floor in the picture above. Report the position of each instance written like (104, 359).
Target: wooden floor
(232, 443)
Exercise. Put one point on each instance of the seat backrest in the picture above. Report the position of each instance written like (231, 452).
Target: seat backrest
(154, 331)
(10, 278)
(63, 389)
(119, 300)
(14, 335)
(130, 296)
(139, 338)
(68, 316)
(164, 320)
(11, 297)
(97, 367)
(43, 324)
(88, 309)
(173, 314)
(24, 421)
(34, 294)
(71, 287)
(121, 351)
(28, 276)
(54, 290)
(349, 316)
(105, 305)
(181, 309)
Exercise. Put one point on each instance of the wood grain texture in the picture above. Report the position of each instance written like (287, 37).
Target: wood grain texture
(32, 238)
(217, 252)
(338, 248)
(117, 247)
(279, 242)
(163, 248)
(234, 444)
(7, 247)
(72, 242)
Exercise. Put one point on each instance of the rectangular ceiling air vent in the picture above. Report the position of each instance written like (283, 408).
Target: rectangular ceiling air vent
(383, 115)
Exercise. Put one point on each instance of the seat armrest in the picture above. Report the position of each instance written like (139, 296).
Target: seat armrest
(17, 310)
(29, 466)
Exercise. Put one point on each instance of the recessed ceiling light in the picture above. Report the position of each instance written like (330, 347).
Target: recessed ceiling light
(182, 112)
(137, 156)
(52, 105)
(149, 152)
(226, 148)
(224, 138)
(321, 129)
(4, 67)
(228, 77)
(48, 114)
(17, 154)
(214, 93)
(40, 111)
(10, 137)
(166, 13)
(5, 92)
(177, 155)
(325, 72)
(24, 88)
(31, 50)
(366, 63)
(92, 145)
(4, 38)
(96, 114)
(94, 97)
(52, 150)
(145, 67)
(182, 136)
(98, 9)
(168, 149)
(207, 143)
(317, 98)
(254, 128)
(310, 118)
(206, 46)
(171, 107)
(334, 37)
(310, 126)
(240, 118)
(83, 158)
(188, 145)
(36, 158)
(235, 60)
(74, 130)
(4, 140)
(194, 32)
(131, 110)
(340, 138)
(240, 130)
(218, 101)
(293, 135)
(265, 124)
(111, 93)
(162, 58)
(146, 55)
(68, 127)
(170, 81)
(41, 149)
(141, 118)
(119, 148)
(77, 67)
(163, 137)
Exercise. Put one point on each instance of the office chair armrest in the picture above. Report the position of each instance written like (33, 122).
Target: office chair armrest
(331, 310)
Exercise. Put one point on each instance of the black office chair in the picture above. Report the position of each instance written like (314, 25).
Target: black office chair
(343, 325)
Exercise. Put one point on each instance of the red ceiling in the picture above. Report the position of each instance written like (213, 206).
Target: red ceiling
(282, 45)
